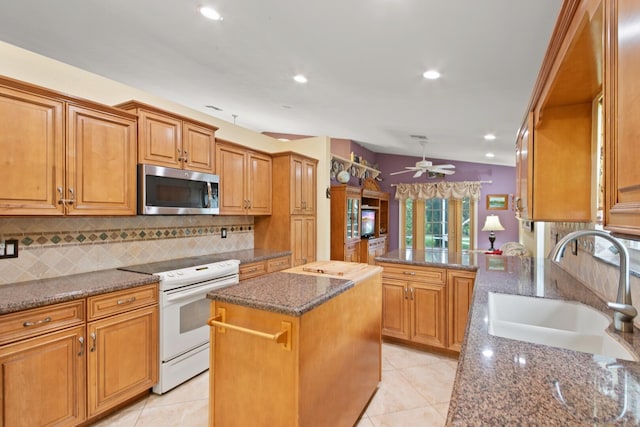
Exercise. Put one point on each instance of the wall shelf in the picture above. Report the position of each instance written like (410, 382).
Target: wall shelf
(354, 168)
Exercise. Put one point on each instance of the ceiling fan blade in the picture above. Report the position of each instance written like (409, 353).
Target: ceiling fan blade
(442, 171)
(419, 173)
(396, 173)
(444, 166)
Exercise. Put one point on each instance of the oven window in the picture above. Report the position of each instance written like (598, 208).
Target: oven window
(194, 315)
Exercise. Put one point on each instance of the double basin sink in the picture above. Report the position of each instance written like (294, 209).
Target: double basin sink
(565, 324)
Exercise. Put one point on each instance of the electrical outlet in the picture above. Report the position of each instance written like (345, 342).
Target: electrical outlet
(9, 248)
(223, 233)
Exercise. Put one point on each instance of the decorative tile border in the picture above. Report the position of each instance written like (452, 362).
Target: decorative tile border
(30, 240)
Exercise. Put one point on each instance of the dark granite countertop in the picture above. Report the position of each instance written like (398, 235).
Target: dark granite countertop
(244, 256)
(501, 381)
(432, 258)
(286, 293)
(37, 293)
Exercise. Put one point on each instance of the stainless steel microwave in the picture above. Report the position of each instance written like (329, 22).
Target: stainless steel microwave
(169, 191)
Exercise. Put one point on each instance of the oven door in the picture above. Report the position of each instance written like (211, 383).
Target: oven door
(184, 316)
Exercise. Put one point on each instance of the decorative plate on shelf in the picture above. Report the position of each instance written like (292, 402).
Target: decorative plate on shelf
(343, 177)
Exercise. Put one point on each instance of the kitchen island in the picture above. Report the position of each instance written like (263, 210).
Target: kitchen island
(296, 348)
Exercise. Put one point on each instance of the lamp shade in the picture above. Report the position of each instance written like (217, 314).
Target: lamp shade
(492, 223)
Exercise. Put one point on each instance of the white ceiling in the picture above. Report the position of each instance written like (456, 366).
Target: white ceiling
(364, 60)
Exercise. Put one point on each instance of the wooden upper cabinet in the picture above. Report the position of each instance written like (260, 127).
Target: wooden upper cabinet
(63, 155)
(101, 166)
(245, 180)
(170, 140)
(303, 186)
(621, 111)
(556, 144)
(32, 141)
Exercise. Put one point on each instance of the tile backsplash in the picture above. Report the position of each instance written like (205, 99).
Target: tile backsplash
(599, 276)
(52, 247)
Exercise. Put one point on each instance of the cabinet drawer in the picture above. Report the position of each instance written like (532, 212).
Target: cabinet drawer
(408, 272)
(36, 321)
(277, 264)
(252, 269)
(121, 301)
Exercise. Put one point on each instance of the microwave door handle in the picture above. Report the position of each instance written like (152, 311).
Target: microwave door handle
(209, 198)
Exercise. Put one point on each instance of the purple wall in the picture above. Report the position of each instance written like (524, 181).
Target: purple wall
(503, 182)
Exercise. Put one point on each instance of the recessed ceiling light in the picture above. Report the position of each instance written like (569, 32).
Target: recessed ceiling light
(490, 155)
(300, 78)
(489, 137)
(211, 13)
(431, 74)
(284, 139)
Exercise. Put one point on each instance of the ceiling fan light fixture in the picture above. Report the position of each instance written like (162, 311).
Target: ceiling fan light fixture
(210, 13)
(431, 75)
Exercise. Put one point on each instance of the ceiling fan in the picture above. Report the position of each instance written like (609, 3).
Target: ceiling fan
(425, 166)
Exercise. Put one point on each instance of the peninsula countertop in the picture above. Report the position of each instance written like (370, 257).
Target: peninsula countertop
(501, 381)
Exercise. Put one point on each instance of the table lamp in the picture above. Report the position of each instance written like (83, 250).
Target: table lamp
(491, 224)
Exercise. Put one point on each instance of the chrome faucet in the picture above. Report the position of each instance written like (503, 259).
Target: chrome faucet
(624, 311)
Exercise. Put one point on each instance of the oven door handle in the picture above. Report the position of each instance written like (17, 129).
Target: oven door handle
(201, 290)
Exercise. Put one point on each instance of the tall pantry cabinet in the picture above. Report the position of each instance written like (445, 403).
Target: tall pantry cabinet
(292, 224)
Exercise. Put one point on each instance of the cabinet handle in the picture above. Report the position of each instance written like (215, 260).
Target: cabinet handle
(186, 156)
(409, 273)
(412, 293)
(93, 342)
(72, 195)
(406, 294)
(126, 301)
(248, 204)
(251, 270)
(37, 322)
(180, 158)
(61, 199)
(81, 352)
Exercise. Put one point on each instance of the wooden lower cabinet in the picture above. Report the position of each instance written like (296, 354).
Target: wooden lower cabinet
(372, 248)
(42, 380)
(352, 251)
(122, 358)
(460, 291)
(260, 268)
(303, 239)
(426, 305)
(57, 369)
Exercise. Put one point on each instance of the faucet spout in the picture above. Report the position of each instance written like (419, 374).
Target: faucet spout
(624, 310)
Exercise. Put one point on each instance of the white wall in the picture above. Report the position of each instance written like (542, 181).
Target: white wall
(27, 66)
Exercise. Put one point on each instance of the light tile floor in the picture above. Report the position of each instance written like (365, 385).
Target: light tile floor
(415, 391)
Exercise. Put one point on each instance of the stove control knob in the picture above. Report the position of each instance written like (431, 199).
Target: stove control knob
(179, 273)
(170, 274)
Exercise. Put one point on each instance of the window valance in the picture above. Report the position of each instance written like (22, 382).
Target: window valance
(442, 190)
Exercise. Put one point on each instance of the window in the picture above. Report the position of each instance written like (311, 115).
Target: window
(438, 223)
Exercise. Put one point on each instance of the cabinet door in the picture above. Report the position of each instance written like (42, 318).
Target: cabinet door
(395, 316)
(352, 251)
(101, 166)
(258, 183)
(303, 239)
(32, 154)
(160, 140)
(122, 357)
(622, 129)
(230, 165)
(428, 316)
(42, 380)
(460, 291)
(198, 147)
(303, 188)
(524, 192)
